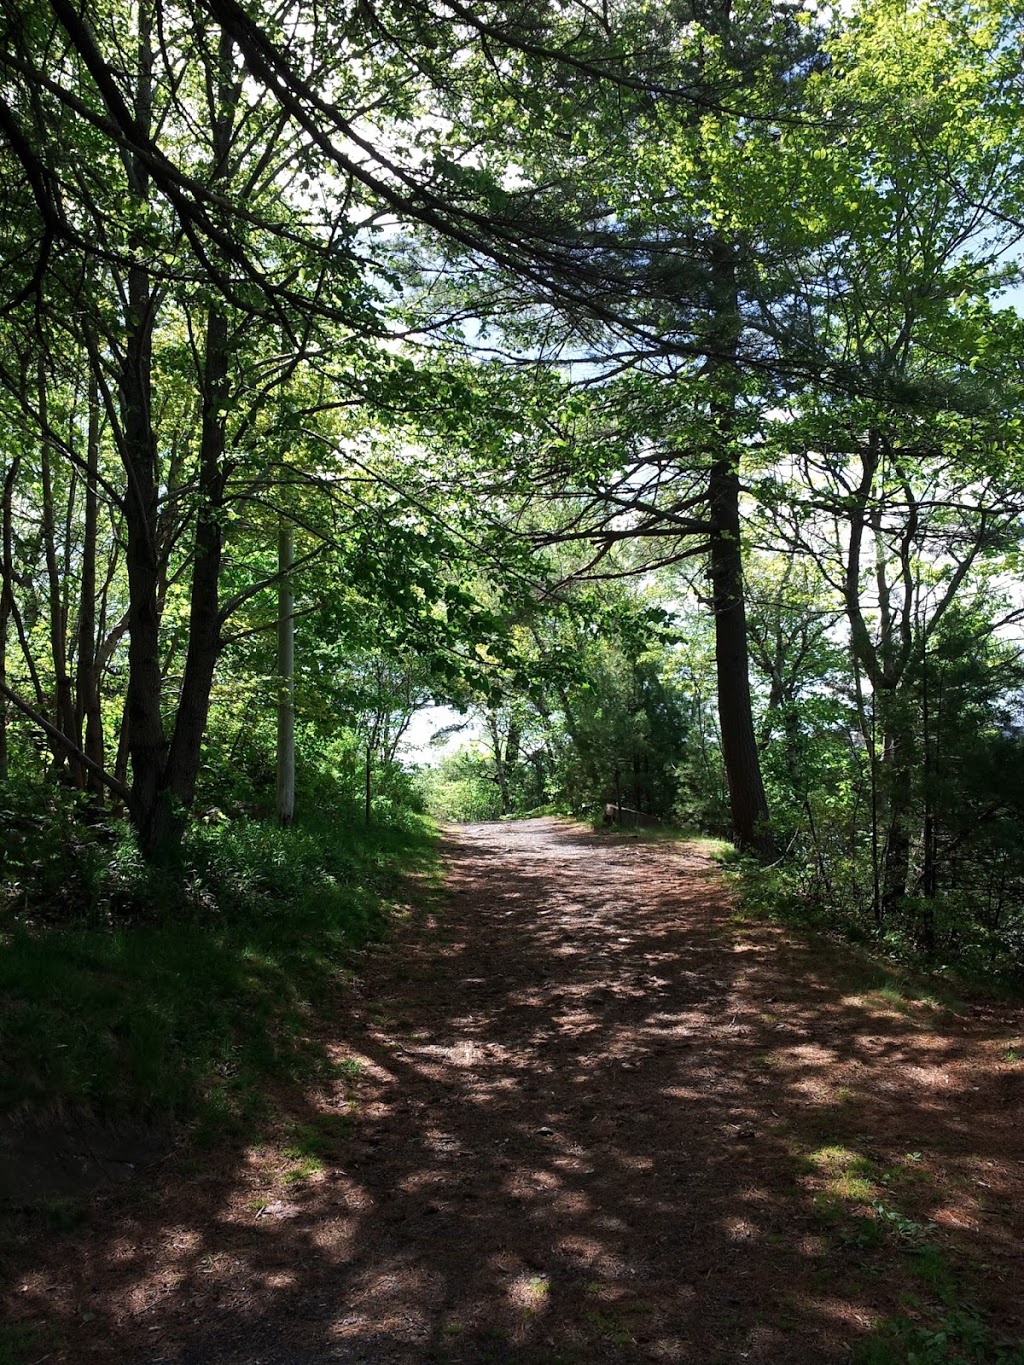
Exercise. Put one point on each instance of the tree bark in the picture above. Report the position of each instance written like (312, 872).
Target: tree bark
(6, 598)
(64, 715)
(500, 769)
(204, 640)
(286, 682)
(151, 806)
(89, 714)
(164, 774)
(747, 799)
(147, 742)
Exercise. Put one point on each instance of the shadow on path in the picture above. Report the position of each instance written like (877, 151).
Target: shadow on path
(581, 1115)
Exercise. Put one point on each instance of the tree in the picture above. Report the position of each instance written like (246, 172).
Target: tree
(159, 295)
(654, 195)
(209, 231)
(205, 128)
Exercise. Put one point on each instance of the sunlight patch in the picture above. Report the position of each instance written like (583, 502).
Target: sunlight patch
(529, 1293)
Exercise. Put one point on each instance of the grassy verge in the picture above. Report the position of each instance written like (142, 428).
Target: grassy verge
(945, 1305)
(959, 1336)
(900, 966)
(666, 833)
(179, 1007)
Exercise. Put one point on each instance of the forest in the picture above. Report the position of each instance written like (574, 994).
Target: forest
(639, 381)
(644, 384)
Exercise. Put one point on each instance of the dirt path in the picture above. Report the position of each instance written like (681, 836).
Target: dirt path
(581, 1115)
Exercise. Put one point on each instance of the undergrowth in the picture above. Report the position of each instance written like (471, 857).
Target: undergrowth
(978, 964)
(958, 1336)
(857, 1200)
(127, 992)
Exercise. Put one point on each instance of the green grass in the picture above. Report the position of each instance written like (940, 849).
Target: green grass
(318, 1140)
(349, 1067)
(185, 1012)
(310, 1166)
(930, 1265)
(942, 1325)
(958, 1337)
(850, 1176)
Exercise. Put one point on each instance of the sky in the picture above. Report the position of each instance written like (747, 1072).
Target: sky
(416, 746)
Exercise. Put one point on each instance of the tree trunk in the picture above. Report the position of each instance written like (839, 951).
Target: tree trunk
(204, 639)
(500, 768)
(147, 744)
(64, 716)
(164, 775)
(896, 784)
(151, 805)
(286, 681)
(747, 799)
(896, 864)
(6, 599)
(89, 715)
(929, 833)
(123, 755)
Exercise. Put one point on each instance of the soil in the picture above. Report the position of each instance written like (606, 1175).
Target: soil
(583, 1112)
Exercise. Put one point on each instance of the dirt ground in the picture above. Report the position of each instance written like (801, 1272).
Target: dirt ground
(582, 1113)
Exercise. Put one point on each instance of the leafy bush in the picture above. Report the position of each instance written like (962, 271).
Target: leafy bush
(461, 788)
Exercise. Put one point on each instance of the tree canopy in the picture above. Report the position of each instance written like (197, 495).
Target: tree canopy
(638, 379)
